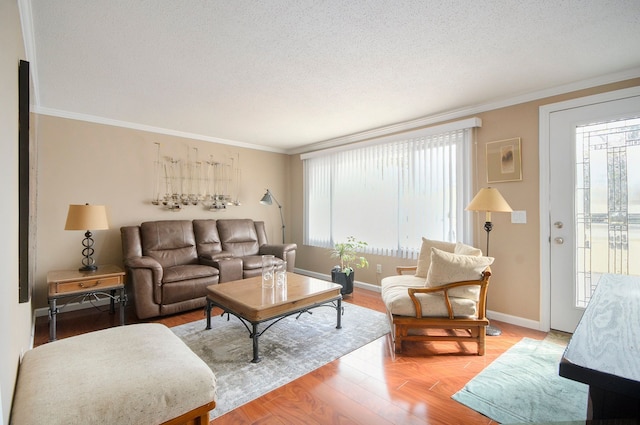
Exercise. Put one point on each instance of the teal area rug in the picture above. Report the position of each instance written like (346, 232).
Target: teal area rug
(523, 385)
(289, 349)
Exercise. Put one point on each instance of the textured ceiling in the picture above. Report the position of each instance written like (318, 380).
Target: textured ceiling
(283, 74)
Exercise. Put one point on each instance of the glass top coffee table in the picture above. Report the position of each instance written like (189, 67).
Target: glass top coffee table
(252, 304)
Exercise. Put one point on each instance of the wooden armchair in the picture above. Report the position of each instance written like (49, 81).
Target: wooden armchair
(442, 298)
(455, 327)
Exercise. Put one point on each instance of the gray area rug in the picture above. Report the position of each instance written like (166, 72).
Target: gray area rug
(289, 349)
(523, 385)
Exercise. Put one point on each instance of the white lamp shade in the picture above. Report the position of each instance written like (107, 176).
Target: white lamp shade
(86, 217)
(488, 199)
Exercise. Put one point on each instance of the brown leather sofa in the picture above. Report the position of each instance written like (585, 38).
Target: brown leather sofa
(170, 263)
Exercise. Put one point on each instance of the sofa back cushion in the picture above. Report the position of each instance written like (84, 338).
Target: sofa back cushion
(239, 236)
(170, 242)
(207, 237)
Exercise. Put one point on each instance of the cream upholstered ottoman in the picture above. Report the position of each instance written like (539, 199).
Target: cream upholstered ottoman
(136, 374)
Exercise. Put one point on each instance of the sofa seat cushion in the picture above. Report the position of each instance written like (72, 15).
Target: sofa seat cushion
(185, 290)
(135, 374)
(397, 301)
(187, 272)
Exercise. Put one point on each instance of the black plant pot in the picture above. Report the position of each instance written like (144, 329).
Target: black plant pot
(341, 278)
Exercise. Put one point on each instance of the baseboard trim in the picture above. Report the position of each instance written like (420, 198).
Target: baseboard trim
(73, 306)
(327, 277)
(515, 320)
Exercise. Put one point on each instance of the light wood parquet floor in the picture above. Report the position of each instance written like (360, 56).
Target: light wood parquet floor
(371, 385)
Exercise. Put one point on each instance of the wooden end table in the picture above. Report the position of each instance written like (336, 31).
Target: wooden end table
(247, 300)
(107, 281)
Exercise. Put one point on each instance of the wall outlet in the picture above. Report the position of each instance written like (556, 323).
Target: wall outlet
(519, 217)
(378, 268)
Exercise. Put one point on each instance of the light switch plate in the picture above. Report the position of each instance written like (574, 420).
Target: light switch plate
(519, 217)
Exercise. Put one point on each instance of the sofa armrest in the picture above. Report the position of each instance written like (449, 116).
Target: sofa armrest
(146, 263)
(286, 252)
(279, 250)
(230, 268)
(144, 275)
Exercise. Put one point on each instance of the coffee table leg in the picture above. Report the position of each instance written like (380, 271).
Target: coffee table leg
(209, 305)
(339, 311)
(255, 336)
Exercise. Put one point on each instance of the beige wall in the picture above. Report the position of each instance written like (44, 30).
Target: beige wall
(82, 162)
(15, 318)
(515, 284)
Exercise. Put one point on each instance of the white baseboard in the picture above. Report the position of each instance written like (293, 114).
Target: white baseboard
(327, 277)
(515, 320)
(72, 306)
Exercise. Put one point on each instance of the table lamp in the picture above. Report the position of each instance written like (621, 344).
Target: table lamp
(85, 217)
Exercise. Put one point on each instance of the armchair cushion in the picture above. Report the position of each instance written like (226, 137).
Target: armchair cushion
(464, 249)
(424, 260)
(397, 302)
(448, 267)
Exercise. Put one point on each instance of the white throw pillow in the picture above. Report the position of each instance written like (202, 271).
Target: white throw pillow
(424, 260)
(467, 250)
(448, 267)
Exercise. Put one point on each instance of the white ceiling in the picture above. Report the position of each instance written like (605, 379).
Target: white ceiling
(281, 74)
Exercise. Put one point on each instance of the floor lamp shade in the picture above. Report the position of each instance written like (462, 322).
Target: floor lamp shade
(489, 200)
(87, 217)
(268, 199)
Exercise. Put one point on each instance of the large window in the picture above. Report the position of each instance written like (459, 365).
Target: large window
(392, 191)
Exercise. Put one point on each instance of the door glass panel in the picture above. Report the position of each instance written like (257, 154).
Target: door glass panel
(607, 202)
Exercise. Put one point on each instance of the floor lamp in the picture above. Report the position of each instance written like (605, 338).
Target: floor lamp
(268, 199)
(489, 200)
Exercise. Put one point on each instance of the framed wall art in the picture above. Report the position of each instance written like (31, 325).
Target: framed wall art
(504, 161)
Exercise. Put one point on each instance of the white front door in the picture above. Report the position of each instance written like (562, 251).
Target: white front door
(594, 201)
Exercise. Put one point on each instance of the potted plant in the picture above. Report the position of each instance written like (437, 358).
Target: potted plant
(348, 254)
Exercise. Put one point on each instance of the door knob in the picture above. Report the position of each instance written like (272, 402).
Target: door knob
(559, 240)
(558, 224)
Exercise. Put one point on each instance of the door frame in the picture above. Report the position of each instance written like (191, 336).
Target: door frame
(544, 145)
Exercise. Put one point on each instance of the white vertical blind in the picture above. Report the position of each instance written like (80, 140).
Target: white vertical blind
(390, 194)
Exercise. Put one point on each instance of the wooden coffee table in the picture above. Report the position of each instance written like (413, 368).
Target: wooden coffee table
(252, 304)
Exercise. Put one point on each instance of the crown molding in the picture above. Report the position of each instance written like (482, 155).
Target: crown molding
(460, 113)
(149, 128)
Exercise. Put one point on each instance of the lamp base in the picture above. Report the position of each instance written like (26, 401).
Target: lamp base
(493, 331)
(91, 268)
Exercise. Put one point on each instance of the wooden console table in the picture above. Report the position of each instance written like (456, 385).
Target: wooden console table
(604, 351)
